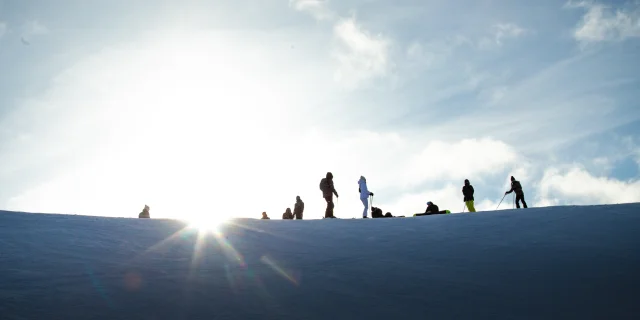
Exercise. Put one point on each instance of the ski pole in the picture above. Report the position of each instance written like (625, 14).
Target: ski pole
(501, 201)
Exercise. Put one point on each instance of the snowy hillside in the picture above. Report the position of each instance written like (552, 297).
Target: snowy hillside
(541, 263)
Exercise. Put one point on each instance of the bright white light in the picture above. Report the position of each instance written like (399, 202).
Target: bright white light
(207, 224)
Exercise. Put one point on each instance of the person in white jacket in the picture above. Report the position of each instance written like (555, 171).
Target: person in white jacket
(364, 195)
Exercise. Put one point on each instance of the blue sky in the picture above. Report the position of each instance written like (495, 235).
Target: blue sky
(231, 108)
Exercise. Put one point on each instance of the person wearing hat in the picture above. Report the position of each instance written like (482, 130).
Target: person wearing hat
(517, 187)
(264, 216)
(467, 191)
(432, 208)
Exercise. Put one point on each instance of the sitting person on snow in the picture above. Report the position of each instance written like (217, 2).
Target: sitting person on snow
(265, 217)
(287, 215)
(432, 208)
(377, 213)
(298, 209)
(145, 212)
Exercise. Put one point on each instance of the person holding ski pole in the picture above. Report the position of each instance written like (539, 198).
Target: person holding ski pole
(467, 192)
(328, 190)
(517, 188)
(364, 195)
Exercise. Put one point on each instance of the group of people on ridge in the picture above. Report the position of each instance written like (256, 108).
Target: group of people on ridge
(328, 190)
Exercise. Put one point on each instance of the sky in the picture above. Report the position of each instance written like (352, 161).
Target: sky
(229, 108)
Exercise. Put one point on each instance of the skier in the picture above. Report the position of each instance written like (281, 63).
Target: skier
(145, 212)
(467, 191)
(364, 195)
(517, 187)
(264, 216)
(287, 215)
(298, 209)
(328, 190)
(432, 208)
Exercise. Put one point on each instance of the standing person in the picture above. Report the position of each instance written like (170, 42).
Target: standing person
(517, 187)
(467, 191)
(265, 216)
(364, 195)
(328, 190)
(298, 209)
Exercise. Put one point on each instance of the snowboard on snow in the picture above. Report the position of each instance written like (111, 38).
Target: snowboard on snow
(429, 214)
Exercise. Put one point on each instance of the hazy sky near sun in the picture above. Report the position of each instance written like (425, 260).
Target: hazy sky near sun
(231, 108)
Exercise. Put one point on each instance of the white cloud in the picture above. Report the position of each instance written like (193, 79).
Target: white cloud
(601, 23)
(507, 30)
(499, 33)
(34, 27)
(361, 56)
(577, 186)
(317, 8)
(3, 28)
(434, 52)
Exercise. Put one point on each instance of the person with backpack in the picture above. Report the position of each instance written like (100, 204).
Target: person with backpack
(517, 188)
(298, 209)
(467, 192)
(364, 195)
(328, 190)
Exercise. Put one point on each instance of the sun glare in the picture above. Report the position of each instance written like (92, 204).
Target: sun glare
(207, 224)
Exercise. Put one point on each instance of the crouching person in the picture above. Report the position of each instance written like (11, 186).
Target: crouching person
(287, 215)
(145, 213)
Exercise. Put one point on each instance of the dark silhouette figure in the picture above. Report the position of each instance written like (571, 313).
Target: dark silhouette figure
(468, 191)
(432, 208)
(377, 213)
(264, 216)
(287, 215)
(328, 190)
(145, 213)
(517, 188)
(298, 209)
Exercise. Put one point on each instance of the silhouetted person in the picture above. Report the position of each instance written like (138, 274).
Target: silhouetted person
(364, 195)
(287, 215)
(298, 209)
(517, 188)
(328, 190)
(264, 216)
(467, 191)
(432, 208)
(145, 213)
(376, 213)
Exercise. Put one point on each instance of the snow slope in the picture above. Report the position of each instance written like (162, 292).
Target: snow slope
(540, 263)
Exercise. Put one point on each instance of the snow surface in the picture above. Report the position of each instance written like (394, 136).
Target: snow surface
(539, 263)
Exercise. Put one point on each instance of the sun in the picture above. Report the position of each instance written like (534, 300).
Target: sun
(207, 224)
